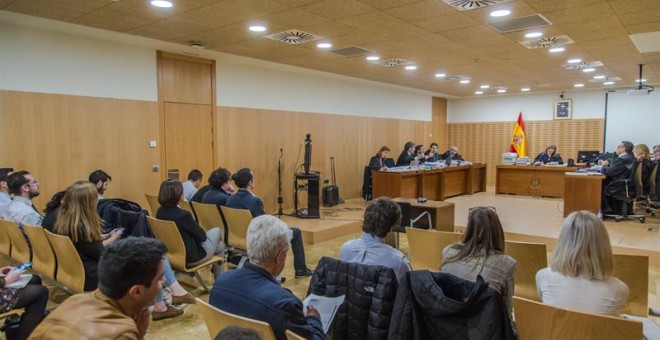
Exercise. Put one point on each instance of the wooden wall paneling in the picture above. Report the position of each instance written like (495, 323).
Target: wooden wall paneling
(485, 142)
(439, 122)
(185, 79)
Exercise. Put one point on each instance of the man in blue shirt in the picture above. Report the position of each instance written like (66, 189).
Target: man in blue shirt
(24, 187)
(4, 189)
(252, 290)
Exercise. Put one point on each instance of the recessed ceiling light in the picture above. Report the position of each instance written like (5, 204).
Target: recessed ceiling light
(599, 77)
(324, 45)
(587, 70)
(373, 57)
(500, 13)
(525, 89)
(411, 67)
(640, 80)
(161, 3)
(478, 92)
(440, 75)
(608, 83)
(556, 50)
(579, 85)
(533, 35)
(257, 28)
(501, 91)
(464, 81)
(485, 86)
(574, 61)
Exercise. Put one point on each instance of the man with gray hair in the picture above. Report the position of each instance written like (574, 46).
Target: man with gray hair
(253, 292)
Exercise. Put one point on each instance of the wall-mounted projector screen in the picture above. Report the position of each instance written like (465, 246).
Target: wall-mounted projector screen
(635, 118)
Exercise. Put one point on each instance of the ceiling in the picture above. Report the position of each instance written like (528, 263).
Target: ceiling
(435, 36)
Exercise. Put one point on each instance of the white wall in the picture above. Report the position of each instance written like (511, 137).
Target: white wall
(40, 55)
(633, 118)
(534, 106)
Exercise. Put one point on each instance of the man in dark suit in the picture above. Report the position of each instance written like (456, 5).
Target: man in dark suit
(220, 189)
(452, 154)
(619, 169)
(245, 199)
(252, 290)
(656, 161)
(407, 155)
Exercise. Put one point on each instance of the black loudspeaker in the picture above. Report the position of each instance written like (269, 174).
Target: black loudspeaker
(571, 162)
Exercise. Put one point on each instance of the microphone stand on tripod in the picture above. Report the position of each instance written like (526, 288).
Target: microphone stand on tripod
(280, 200)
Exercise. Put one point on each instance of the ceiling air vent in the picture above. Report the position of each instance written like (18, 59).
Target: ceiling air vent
(293, 37)
(519, 24)
(351, 51)
(396, 62)
(547, 42)
(586, 64)
(455, 78)
(466, 5)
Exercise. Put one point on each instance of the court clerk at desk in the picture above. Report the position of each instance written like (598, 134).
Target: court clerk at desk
(549, 155)
(380, 161)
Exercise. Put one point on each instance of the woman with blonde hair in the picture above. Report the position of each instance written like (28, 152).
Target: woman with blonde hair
(581, 267)
(481, 253)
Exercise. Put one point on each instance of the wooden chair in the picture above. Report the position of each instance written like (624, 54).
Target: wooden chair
(208, 216)
(633, 270)
(216, 320)
(20, 249)
(186, 206)
(70, 270)
(531, 258)
(168, 233)
(5, 242)
(238, 221)
(425, 247)
(43, 257)
(293, 336)
(535, 320)
(153, 203)
(17, 311)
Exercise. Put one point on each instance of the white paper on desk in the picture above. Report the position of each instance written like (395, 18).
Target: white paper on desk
(326, 306)
(650, 329)
(20, 283)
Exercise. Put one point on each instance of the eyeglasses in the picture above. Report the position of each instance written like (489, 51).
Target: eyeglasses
(32, 182)
(473, 209)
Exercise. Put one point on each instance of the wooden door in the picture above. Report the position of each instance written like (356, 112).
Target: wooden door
(188, 138)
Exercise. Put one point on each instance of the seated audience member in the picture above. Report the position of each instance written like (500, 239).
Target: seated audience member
(481, 253)
(200, 245)
(245, 199)
(192, 184)
(452, 154)
(643, 156)
(52, 210)
(238, 333)
(407, 155)
(379, 217)
(252, 291)
(581, 268)
(79, 220)
(33, 297)
(5, 199)
(432, 154)
(549, 155)
(619, 169)
(380, 161)
(101, 180)
(24, 187)
(220, 188)
(130, 277)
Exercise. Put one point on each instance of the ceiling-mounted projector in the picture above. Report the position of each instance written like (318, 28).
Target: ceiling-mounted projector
(642, 89)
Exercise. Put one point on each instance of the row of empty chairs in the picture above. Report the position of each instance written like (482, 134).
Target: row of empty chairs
(425, 249)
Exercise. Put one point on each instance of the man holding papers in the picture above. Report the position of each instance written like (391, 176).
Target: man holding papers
(252, 290)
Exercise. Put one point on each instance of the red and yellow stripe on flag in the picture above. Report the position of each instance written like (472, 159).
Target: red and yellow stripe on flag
(519, 139)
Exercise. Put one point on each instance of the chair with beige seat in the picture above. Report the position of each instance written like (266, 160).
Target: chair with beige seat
(535, 320)
(208, 216)
(20, 249)
(293, 336)
(425, 247)
(216, 320)
(44, 260)
(633, 270)
(238, 221)
(531, 257)
(70, 270)
(153, 203)
(5, 242)
(168, 233)
(186, 206)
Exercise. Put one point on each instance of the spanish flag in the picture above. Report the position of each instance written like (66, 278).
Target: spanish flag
(519, 139)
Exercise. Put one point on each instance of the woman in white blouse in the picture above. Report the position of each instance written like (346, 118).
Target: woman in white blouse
(580, 273)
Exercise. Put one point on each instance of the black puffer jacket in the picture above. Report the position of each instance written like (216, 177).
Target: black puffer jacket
(443, 306)
(370, 292)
